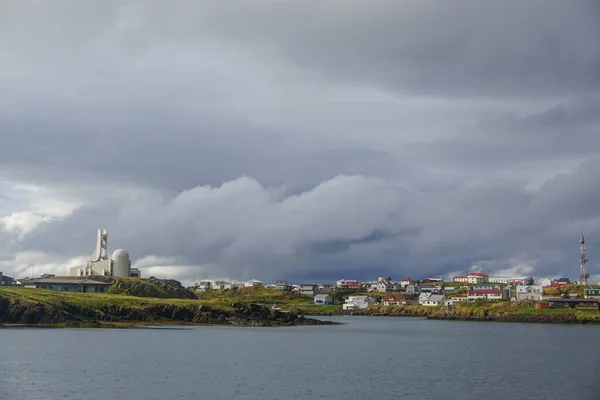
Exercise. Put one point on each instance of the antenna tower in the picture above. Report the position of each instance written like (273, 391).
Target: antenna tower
(583, 274)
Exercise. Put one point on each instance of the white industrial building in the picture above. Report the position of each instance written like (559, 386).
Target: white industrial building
(119, 263)
(529, 292)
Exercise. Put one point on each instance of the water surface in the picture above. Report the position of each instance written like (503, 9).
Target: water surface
(366, 358)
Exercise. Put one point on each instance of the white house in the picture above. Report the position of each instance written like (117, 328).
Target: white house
(407, 281)
(519, 280)
(388, 286)
(530, 292)
(473, 277)
(431, 300)
(252, 283)
(220, 285)
(394, 299)
(413, 290)
(543, 282)
(202, 286)
(308, 289)
(323, 299)
(358, 302)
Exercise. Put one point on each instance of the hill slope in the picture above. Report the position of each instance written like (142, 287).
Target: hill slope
(44, 307)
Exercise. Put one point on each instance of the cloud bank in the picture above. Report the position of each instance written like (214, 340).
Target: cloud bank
(300, 140)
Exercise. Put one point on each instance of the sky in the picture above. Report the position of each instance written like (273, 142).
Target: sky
(301, 140)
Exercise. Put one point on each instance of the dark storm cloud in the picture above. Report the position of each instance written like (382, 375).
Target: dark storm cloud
(388, 138)
(456, 48)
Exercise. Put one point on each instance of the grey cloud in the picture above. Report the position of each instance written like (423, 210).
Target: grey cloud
(347, 225)
(468, 119)
(458, 48)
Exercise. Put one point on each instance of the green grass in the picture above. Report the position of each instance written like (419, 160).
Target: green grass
(259, 295)
(313, 309)
(97, 300)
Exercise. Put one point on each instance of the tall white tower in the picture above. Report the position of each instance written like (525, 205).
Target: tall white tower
(101, 252)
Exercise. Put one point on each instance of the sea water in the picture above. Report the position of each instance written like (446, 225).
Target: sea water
(365, 358)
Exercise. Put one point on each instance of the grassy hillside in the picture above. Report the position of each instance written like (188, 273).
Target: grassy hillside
(259, 295)
(92, 300)
(38, 306)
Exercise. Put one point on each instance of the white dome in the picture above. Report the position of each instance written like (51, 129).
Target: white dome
(121, 265)
(120, 253)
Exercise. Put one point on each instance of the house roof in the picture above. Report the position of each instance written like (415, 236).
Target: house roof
(321, 296)
(478, 274)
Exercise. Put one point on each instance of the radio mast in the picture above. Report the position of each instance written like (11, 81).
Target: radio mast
(583, 274)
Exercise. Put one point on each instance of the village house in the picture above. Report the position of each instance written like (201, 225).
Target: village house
(394, 299)
(323, 299)
(407, 281)
(253, 283)
(472, 277)
(202, 286)
(283, 285)
(591, 293)
(487, 294)
(562, 281)
(431, 288)
(449, 289)
(429, 281)
(7, 280)
(515, 280)
(308, 289)
(431, 300)
(387, 285)
(459, 299)
(412, 290)
(358, 302)
(544, 282)
(348, 284)
(529, 292)
(325, 287)
(220, 285)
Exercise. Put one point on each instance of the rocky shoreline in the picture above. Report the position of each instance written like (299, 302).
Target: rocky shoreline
(481, 315)
(511, 313)
(14, 311)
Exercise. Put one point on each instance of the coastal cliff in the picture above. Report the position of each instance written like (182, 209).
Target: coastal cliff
(39, 307)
